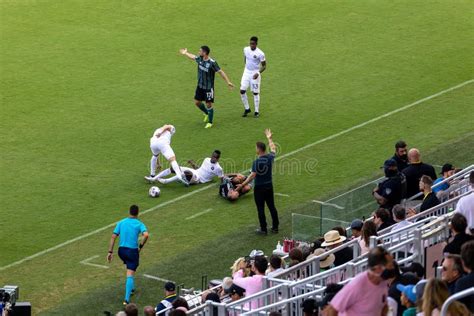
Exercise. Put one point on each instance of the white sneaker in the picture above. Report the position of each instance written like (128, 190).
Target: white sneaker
(150, 178)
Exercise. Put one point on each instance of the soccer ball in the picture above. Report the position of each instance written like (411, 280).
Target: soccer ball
(154, 192)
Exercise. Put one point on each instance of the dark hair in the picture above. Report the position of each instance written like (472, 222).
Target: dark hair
(459, 223)
(467, 255)
(426, 180)
(400, 144)
(368, 229)
(131, 309)
(399, 212)
(217, 153)
(457, 263)
(134, 210)
(261, 146)
(296, 255)
(213, 297)
(471, 177)
(274, 314)
(180, 302)
(341, 230)
(254, 39)
(261, 264)
(383, 214)
(377, 256)
(206, 49)
(177, 312)
(275, 262)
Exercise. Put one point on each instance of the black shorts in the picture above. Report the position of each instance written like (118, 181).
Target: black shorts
(130, 257)
(206, 95)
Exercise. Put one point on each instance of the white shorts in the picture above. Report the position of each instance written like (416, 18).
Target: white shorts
(159, 147)
(248, 81)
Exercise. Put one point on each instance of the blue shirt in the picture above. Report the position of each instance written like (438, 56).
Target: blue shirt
(262, 166)
(129, 229)
(442, 187)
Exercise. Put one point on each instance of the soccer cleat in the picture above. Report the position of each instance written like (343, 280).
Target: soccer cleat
(208, 125)
(246, 112)
(256, 115)
(184, 180)
(206, 118)
(150, 178)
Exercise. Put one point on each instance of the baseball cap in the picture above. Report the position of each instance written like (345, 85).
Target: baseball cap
(390, 163)
(256, 253)
(357, 224)
(408, 291)
(170, 286)
(447, 167)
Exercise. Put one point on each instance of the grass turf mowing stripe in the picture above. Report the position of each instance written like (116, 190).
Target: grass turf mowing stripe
(333, 136)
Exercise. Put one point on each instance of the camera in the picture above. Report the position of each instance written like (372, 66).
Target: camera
(8, 296)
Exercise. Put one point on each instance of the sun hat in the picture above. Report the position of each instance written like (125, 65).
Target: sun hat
(332, 237)
(327, 261)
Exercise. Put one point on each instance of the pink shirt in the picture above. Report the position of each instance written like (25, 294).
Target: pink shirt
(251, 285)
(360, 297)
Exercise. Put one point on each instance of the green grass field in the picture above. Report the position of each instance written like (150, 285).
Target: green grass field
(84, 84)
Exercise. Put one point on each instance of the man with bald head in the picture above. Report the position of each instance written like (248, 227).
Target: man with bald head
(415, 170)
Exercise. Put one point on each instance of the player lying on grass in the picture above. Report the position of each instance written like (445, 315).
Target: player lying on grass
(160, 143)
(228, 188)
(209, 169)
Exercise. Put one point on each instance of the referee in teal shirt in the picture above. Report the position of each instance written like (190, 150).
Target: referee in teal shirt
(129, 230)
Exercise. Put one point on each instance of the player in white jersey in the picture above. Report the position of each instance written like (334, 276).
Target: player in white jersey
(209, 169)
(255, 64)
(160, 143)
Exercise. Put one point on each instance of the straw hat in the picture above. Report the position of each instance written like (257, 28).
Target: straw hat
(323, 263)
(332, 237)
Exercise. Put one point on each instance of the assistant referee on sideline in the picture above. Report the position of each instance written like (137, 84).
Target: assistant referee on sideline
(263, 186)
(129, 230)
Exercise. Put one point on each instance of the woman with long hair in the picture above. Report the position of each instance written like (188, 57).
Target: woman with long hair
(368, 229)
(435, 294)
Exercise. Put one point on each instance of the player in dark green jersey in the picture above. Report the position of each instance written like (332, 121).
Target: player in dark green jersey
(207, 68)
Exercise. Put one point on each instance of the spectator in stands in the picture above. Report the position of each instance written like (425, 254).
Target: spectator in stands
(235, 292)
(310, 307)
(390, 191)
(366, 293)
(177, 312)
(252, 284)
(131, 309)
(276, 265)
(416, 269)
(399, 215)
(356, 227)
(452, 271)
(149, 311)
(467, 281)
(446, 171)
(342, 231)
(415, 170)
(296, 256)
(368, 229)
(399, 279)
(435, 294)
(465, 205)
(408, 299)
(332, 239)
(429, 198)
(274, 314)
(401, 155)
(458, 229)
(181, 304)
(383, 219)
(331, 290)
(170, 297)
(324, 262)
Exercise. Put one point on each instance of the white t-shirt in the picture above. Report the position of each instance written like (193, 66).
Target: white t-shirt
(253, 58)
(166, 136)
(209, 170)
(465, 206)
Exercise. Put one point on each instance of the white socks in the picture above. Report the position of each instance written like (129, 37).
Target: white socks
(153, 162)
(245, 101)
(256, 100)
(176, 168)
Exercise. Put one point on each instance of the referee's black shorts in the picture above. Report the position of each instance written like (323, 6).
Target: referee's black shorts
(130, 257)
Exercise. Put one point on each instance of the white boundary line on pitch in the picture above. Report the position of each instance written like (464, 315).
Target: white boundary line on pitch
(199, 214)
(156, 278)
(329, 204)
(86, 262)
(68, 242)
(281, 194)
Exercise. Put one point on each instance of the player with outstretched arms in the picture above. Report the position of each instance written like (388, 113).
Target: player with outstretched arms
(255, 64)
(160, 143)
(207, 68)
